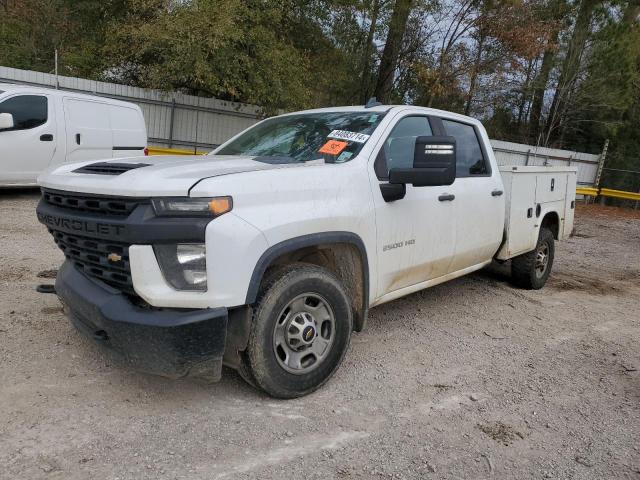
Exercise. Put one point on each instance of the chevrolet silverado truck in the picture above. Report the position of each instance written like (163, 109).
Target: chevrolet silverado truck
(266, 254)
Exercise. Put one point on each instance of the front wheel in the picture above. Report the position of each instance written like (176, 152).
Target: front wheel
(531, 270)
(300, 332)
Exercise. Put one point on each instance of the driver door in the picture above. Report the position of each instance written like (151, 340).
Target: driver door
(416, 234)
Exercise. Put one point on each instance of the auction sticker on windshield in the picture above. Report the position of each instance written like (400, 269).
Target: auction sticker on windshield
(333, 147)
(349, 136)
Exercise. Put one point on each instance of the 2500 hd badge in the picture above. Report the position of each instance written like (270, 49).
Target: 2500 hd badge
(391, 246)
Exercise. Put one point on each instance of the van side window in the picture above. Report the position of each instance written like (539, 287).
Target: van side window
(398, 148)
(469, 158)
(29, 111)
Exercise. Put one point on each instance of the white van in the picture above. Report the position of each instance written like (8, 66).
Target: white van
(41, 127)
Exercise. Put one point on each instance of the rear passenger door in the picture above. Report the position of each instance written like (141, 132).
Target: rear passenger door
(479, 198)
(128, 131)
(88, 130)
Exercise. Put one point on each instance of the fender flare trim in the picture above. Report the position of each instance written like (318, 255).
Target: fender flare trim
(303, 241)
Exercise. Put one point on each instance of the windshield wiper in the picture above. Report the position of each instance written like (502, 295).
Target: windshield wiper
(273, 160)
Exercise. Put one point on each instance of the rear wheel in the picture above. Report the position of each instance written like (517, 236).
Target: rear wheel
(532, 269)
(300, 332)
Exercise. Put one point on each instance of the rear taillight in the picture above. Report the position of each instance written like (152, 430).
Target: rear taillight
(146, 151)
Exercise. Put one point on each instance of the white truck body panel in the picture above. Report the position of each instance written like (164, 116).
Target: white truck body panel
(410, 244)
(531, 193)
(70, 127)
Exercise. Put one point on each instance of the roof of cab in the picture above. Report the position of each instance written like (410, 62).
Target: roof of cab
(388, 108)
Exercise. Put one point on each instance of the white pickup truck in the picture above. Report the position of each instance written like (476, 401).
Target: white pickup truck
(266, 254)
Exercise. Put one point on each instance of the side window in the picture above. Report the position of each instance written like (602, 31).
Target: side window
(29, 111)
(397, 151)
(469, 158)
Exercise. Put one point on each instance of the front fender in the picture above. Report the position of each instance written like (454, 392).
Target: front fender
(234, 247)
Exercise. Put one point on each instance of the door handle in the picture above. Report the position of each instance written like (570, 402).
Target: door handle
(446, 197)
(496, 193)
(78, 138)
(47, 137)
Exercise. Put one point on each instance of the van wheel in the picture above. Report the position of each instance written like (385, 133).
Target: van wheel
(531, 270)
(300, 333)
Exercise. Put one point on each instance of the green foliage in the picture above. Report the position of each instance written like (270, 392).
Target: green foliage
(230, 49)
(606, 105)
(31, 31)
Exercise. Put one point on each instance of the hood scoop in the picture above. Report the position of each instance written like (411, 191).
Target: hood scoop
(109, 168)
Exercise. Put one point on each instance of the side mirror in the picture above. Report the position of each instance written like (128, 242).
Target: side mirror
(6, 121)
(434, 163)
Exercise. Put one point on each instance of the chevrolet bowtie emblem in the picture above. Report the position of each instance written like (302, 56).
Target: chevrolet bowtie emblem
(114, 257)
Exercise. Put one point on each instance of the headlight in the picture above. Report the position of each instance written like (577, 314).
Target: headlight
(191, 207)
(183, 265)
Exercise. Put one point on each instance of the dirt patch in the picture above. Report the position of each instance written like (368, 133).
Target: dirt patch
(48, 273)
(594, 286)
(595, 210)
(12, 274)
(629, 276)
(580, 235)
(501, 432)
(51, 310)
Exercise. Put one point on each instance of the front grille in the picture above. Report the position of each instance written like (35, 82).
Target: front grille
(109, 168)
(109, 206)
(91, 256)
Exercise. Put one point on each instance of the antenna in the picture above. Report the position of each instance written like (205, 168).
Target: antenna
(373, 102)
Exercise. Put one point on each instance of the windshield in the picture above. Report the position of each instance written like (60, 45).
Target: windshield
(335, 137)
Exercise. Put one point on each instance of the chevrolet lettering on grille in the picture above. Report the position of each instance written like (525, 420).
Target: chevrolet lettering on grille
(79, 225)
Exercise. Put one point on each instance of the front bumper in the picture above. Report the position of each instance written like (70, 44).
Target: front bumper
(168, 342)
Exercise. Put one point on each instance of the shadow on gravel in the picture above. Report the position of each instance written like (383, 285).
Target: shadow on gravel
(499, 272)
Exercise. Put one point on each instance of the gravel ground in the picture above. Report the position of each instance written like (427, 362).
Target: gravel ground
(471, 379)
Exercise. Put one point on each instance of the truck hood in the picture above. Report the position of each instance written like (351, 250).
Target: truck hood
(171, 175)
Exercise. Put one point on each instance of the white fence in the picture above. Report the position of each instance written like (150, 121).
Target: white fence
(180, 121)
(508, 153)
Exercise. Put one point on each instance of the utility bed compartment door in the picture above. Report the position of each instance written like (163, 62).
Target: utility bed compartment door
(569, 206)
(550, 187)
(520, 210)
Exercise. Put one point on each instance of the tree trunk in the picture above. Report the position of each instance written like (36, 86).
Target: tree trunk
(475, 71)
(539, 88)
(388, 63)
(368, 51)
(632, 12)
(525, 91)
(570, 66)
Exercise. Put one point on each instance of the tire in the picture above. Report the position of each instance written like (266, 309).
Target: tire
(531, 270)
(300, 332)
